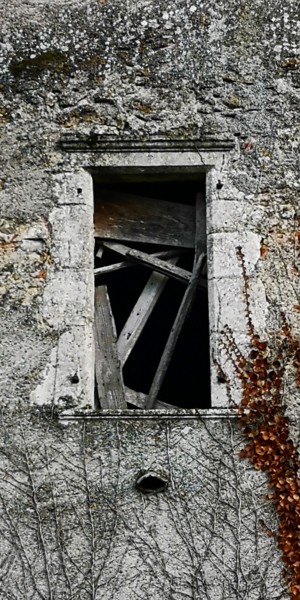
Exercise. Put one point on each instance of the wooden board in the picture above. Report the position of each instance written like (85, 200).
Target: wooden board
(156, 264)
(128, 217)
(141, 313)
(138, 400)
(107, 364)
(166, 254)
(183, 311)
(148, 260)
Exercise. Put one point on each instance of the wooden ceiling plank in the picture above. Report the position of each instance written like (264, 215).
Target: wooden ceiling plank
(128, 217)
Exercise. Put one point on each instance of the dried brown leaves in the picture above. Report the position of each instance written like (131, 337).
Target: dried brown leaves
(266, 429)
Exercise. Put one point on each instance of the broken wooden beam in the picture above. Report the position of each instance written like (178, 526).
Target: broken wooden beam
(183, 312)
(141, 313)
(165, 254)
(148, 260)
(137, 399)
(108, 371)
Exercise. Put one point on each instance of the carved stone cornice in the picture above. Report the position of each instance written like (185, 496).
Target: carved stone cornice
(75, 142)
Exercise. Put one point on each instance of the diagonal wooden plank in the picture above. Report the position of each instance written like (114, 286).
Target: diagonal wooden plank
(156, 264)
(141, 313)
(138, 400)
(165, 254)
(107, 364)
(128, 217)
(183, 311)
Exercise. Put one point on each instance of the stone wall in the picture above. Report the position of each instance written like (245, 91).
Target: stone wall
(204, 85)
(74, 525)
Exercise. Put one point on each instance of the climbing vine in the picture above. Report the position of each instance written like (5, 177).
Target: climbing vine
(266, 429)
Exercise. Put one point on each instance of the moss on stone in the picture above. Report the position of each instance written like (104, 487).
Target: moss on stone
(51, 60)
(4, 115)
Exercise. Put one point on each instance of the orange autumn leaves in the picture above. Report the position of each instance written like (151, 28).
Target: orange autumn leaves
(265, 427)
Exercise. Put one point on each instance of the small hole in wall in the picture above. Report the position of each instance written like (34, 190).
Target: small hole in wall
(74, 378)
(79, 191)
(151, 483)
(219, 185)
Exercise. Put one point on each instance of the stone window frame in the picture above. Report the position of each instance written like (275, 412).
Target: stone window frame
(68, 380)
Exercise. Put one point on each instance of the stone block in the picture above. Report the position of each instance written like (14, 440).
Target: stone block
(223, 258)
(219, 185)
(68, 379)
(227, 304)
(226, 215)
(74, 187)
(72, 237)
(223, 369)
(68, 298)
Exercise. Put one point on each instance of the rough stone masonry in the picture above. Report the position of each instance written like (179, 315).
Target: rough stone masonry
(103, 83)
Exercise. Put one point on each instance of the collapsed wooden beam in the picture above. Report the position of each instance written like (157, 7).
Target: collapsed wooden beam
(165, 254)
(148, 260)
(141, 313)
(183, 312)
(107, 364)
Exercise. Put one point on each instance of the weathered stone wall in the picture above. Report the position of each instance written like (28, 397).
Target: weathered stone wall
(73, 524)
(139, 71)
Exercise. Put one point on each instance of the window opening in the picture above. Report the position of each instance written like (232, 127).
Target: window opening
(151, 303)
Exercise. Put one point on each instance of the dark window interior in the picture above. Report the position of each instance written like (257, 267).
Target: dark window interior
(187, 381)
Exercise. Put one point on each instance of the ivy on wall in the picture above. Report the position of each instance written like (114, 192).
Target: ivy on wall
(266, 429)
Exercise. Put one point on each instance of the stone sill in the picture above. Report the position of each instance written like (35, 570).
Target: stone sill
(140, 414)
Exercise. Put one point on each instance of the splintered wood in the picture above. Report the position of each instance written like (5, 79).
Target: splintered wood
(182, 314)
(134, 219)
(107, 363)
(125, 264)
(140, 314)
(150, 261)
